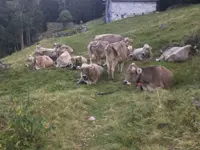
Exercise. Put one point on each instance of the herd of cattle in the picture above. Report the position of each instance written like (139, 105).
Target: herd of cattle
(109, 51)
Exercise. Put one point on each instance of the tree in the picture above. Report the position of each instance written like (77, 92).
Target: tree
(65, 17)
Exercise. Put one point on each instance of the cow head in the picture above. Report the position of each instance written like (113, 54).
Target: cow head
(85, 72)
(76, 61)
(30, 61)
(128, 41)
(38, 47)
(147, 53)
(133, 73)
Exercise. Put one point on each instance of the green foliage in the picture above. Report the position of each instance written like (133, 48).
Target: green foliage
(65, 17)
(25, 129)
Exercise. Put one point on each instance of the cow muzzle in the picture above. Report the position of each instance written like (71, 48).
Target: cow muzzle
(127, 82)
(85, 77)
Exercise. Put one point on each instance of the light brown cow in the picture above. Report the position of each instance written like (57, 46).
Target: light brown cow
(96, 51)
(78, 61)
(39, 62)
(116, 53)
(64, 60)
(90, 73)
(149, 78)
(112, 38)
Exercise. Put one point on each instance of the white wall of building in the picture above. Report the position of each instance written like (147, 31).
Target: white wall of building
(130, 9)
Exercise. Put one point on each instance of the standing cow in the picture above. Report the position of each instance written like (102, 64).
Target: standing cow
(116, 54)
(96, 50)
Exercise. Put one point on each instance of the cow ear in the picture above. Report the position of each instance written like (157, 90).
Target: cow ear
(139, 70)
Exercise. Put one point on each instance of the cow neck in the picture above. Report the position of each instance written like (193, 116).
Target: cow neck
(138, 80)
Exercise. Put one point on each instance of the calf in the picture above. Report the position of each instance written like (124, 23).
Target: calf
(149, 78)
(116, 53)
(90, 73)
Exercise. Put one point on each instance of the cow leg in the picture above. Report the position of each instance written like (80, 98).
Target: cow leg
(90, 60)
(37, 68)
(122, 66)
(113, 69)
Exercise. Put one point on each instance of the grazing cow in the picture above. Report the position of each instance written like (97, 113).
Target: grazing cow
(39, 62)
(41, 51)
(116, 53)
(64, 60)
(112, 38)
(78, 61)
(149, 78)
(96, 50)
(141, 53)
(90, 73)
(176, 54)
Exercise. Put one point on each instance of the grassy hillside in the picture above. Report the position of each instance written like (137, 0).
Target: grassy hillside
(127, 119)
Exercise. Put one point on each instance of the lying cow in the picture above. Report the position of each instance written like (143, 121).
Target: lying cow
(112, 38)
(149, 78)
(78, 61)
(90, 73)
(63, 49)
(39, 62)
(60, 48)
(64, 60)
(41, 51)
(176, 54)
(96, 50)
(116, 53)
(141, 53)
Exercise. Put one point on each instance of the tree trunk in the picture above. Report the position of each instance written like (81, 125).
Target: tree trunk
(22, 40)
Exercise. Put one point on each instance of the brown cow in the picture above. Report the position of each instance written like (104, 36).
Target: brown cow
(149, 78)
(116, 53)
(96, 51)
(39, 62)
(90, 73)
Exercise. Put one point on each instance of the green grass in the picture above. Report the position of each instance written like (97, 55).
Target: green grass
(127, 119)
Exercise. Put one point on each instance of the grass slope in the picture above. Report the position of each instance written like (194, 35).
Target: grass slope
(127, 119)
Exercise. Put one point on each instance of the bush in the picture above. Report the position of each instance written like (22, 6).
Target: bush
(25, 129)
(65, 17)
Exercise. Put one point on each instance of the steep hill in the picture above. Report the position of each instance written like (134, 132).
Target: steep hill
(126, 119)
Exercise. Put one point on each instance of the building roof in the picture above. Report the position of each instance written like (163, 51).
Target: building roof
(134, 0)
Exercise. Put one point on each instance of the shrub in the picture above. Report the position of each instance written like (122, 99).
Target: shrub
(25, 129)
